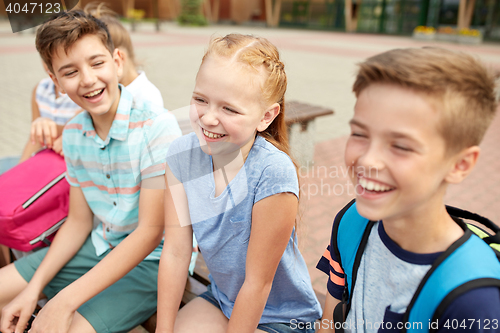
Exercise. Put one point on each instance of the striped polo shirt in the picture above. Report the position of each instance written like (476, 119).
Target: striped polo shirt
(110, 171)
(60, 109)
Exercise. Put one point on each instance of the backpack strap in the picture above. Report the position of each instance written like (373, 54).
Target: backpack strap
(468, 263)
(348, 244)
(492, 240)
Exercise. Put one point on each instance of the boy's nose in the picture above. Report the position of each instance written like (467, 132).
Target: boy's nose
(88, 78)
(371, 158)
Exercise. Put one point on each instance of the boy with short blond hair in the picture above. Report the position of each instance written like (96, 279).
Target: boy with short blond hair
(101, 280)
(398, 259)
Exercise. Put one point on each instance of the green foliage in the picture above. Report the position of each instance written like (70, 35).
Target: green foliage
(191, 13)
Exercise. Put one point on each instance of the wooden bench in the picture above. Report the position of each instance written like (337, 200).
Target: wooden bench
(197, 285)
(299, 118)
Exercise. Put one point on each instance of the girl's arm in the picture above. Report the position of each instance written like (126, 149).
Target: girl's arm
(273, 219)
(176, 254)
(327, 324)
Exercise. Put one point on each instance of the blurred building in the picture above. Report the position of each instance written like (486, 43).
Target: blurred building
(390, 16)
(368, 16)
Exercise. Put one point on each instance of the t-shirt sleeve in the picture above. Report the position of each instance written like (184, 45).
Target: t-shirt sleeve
(158, 138)
(178, 156)
(477, 310)
(329, 265)
(278, 176)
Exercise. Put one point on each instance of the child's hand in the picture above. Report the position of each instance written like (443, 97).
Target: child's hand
(17, 313)
(53, 317)
(43, 130)
(57, 146)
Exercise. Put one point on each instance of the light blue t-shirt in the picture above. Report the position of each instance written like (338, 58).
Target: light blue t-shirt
(110, 171)
(222, 226)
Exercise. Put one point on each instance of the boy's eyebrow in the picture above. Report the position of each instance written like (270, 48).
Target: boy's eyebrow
(357, 123)
(392, 134)
(89, 59)
(400, 135)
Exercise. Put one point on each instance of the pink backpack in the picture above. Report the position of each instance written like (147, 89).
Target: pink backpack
(34, 201)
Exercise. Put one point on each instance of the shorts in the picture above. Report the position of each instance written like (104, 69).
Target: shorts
(119, 308)
(272, 327)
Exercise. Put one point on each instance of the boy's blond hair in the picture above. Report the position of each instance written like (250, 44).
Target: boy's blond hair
(459, 88)
(65, 29)
(119, 35)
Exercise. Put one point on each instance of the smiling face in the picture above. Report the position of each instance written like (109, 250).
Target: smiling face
(397, 154)
(227, 106)
(88, 73)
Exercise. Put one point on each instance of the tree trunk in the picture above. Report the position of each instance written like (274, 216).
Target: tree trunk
(469, 13)
(277, 13)
(462, 7)
(348, 15)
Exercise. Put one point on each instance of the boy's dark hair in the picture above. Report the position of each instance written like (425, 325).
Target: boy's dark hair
(459, 87)
(64, 29)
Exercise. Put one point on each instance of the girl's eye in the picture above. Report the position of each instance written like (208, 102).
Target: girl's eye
(98, 64)
(198, 99)
(70, 73)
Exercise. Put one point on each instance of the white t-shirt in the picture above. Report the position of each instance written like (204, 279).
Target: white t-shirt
(142, 89)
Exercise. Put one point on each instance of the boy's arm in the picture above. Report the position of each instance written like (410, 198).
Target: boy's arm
(327, 323)
(56, 315)
(267, 244)
(175, 257)
(66, 244)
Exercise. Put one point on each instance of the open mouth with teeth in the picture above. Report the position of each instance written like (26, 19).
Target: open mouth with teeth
(95, 93)
(373, 187)
(211, 135)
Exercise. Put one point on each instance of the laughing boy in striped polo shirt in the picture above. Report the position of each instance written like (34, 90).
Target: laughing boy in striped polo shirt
(101, 280)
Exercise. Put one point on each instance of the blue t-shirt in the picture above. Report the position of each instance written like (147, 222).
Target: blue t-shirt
(109, 172)
(222, 226)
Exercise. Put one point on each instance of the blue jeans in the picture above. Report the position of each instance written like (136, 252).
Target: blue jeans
(272, 327)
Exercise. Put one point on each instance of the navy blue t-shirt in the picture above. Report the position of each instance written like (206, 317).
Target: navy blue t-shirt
(477, 310)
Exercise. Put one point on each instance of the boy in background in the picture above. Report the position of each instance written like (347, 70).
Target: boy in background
(419, 118)
(114, 152)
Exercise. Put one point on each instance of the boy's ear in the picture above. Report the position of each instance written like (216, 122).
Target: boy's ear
(56, 82)
(463, 165)
(268, 117)
(118, 59)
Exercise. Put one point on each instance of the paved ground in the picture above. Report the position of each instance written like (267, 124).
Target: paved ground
(320, 67)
